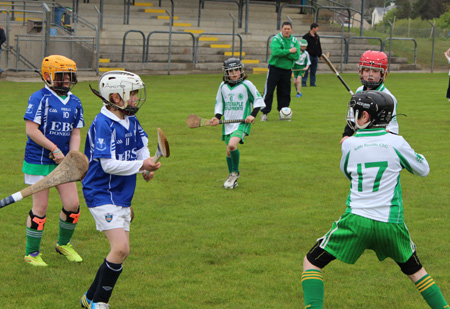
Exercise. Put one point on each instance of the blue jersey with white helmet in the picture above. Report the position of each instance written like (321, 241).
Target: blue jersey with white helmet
(56, 117)
(109, 138)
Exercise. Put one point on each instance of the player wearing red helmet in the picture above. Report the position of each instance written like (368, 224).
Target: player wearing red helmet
(373, 67)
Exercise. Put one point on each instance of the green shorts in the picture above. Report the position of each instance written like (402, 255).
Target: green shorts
(38, 169)
(237, 133)
(352, 234)
(296, 70)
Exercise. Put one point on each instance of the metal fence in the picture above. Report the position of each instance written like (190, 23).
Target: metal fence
(46, 34)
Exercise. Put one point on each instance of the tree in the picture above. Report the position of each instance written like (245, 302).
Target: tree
(444, 21)
(403, 9)
(429, 9)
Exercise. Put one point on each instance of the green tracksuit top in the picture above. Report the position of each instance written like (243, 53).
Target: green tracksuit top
(280, 56)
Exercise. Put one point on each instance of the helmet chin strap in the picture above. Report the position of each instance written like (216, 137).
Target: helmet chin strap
(356, 121)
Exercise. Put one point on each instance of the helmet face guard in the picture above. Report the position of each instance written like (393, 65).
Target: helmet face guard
(59, 73)
(230, 66)
(130, 88)
(373, 60)
(378, 105)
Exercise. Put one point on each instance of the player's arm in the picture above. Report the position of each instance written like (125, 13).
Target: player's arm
(308, 62)
(218, 107)
(344, 160)
(75, 139)
(277, 49)
(348, 131)
(33, 132)
(414, 162)
(127, 168)
(295, 52)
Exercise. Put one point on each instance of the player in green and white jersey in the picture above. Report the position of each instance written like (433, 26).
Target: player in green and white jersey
(372, 161)
(237, 98)
(300, 66)
(373, 66)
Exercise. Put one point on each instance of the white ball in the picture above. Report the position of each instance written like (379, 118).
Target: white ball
(286, 113)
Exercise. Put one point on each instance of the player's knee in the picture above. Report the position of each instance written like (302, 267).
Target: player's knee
(231, 147)
(72, 216)
(122, 251)
(37, 223)
(411, 266)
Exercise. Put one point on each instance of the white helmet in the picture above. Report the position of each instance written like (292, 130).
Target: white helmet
(122, 83)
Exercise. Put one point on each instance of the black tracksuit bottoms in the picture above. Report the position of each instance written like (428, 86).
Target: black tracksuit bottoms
(281, 79)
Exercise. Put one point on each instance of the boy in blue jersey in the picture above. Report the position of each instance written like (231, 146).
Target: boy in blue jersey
(53, 119)
(235, 99)
(117, 149)
(372, 160)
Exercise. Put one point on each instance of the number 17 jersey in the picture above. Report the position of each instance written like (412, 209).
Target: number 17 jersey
(372, 160)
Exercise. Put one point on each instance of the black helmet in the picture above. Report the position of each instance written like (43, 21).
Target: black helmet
(231, 65)
(379, 105)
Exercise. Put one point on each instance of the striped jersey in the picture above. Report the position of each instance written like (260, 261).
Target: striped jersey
(304, 59)
(56, 117)
(393, 124)
(111, 138)
(372, 160)
(237, 102)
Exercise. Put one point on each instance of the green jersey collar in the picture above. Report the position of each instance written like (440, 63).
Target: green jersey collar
(371, 132)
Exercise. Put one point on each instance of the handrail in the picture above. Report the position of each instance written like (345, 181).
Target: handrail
(244, 3)
(294, 6)
(22, 59)
(212, 33)
(361, 38)
(143, 44)
(201, 4)
(176, 32)
(97, 35)
(343, 43)
(333, 8)
(404, 39)
(54, 38)
(432, 45)
(126, 12)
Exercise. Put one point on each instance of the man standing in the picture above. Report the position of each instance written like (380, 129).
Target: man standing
(285, 50)
(2, 40)
(314, 50)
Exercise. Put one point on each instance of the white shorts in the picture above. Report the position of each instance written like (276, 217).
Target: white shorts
(32, 179)
(109, 217)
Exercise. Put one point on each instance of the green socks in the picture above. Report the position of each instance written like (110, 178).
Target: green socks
(33, 240)
(235, 160)
(313, 289)
(431, 292)
(66, 231)
(230, 165)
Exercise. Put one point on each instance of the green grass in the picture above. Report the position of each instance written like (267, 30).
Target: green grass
(195, 244)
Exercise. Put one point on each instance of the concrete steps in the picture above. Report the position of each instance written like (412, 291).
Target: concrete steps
(146, 16)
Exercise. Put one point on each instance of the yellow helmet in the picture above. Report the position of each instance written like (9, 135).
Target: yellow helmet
(56, 67)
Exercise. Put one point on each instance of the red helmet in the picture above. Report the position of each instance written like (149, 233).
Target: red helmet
(376, 60)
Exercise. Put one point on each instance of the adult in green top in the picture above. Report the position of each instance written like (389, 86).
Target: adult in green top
(285, 50)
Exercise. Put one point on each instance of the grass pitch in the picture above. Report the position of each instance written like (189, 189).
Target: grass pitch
(195, 244)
